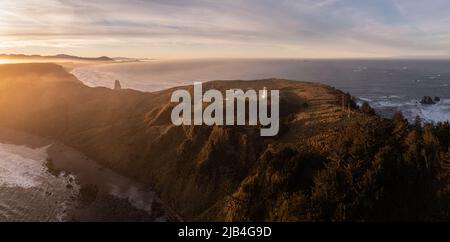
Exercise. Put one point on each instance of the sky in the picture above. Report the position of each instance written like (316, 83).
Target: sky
(174, 29)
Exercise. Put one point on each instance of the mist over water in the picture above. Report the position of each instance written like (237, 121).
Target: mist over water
(388, 85)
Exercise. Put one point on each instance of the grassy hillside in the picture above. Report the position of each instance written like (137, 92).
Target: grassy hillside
(326, 163)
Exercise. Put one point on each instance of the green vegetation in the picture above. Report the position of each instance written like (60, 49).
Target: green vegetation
(330, 162)
(365, 108)
(377, 170)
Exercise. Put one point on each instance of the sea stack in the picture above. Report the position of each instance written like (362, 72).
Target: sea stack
(427, 100)
(117, 85)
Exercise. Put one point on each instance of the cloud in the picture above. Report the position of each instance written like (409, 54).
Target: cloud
(276, 28)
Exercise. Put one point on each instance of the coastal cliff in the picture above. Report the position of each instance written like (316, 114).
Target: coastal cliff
(330, 161)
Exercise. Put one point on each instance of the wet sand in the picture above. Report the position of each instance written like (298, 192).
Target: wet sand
(104, 195)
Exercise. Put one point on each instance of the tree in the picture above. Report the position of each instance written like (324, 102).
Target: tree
(430, 146)
(417, 123)
(400, 125)
(413, 143)
(365, 108)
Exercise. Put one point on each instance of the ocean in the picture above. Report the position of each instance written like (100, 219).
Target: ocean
(31, 192)
(387, 85)
(27, 191)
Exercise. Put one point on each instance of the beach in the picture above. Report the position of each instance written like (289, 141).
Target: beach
(80, 188)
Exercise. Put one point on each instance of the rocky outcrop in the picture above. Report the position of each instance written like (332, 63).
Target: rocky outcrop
(427, 100)
(117, 85)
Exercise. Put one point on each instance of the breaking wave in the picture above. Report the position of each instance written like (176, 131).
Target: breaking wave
(386, 106)
(24, 178)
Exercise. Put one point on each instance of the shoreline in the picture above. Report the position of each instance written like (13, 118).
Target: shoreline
(109, 195)
(150, 78)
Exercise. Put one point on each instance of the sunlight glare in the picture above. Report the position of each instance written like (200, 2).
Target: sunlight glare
(5, 61)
